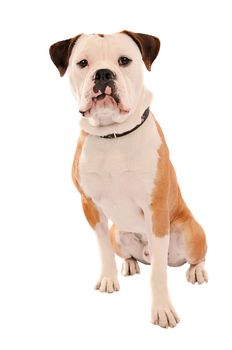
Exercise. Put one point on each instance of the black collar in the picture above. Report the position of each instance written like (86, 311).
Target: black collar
(114, 136)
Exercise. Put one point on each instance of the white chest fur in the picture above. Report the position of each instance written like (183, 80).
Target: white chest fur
(118, 174)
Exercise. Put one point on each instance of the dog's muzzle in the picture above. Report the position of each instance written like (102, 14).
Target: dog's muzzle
(104, 93)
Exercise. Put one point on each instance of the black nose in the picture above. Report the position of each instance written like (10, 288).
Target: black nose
(104, 74)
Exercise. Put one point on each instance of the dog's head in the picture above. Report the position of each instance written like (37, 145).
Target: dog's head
(105, 72)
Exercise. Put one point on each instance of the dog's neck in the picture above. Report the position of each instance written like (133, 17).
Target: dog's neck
(133, 119)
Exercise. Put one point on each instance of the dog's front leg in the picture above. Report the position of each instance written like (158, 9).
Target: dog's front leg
(163, 313)
(108, 281)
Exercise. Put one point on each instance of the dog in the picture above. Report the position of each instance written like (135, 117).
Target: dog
(122, 169)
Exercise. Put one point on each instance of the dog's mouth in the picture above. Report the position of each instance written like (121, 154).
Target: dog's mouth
(102, 96)
(107, 99)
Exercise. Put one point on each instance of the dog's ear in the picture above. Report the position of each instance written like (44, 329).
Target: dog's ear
(148, 45)
(60, 53)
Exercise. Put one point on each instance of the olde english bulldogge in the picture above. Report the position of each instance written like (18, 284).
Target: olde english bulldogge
(122, 169)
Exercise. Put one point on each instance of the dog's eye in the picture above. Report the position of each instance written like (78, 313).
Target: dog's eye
(82, 63)
(123, 61)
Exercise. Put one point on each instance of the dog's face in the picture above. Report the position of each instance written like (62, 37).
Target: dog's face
(106, 72)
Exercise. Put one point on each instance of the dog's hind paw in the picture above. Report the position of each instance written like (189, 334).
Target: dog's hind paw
(197, 273)
(130, 267)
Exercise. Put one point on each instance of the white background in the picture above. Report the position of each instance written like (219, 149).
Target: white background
(48, 253)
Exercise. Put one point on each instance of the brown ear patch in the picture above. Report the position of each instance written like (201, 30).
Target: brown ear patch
(60, 53)
(148, 45)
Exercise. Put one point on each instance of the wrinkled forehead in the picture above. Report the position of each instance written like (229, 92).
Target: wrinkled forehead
(105, 46)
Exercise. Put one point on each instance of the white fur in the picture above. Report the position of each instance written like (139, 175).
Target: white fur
(118, 174)
(134, 244)
(177, 251)
(124, 123)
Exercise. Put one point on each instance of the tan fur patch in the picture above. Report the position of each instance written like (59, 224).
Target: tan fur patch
(169, 211)
(195, 241)
(75, 173)
(116, 247)
(90, 210)
(159, 201)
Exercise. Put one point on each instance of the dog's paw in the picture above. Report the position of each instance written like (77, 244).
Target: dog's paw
(107, 285)
(164, 315)
(197, 273)
(130, 267)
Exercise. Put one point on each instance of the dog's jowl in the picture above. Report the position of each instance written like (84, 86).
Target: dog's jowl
(122, 169)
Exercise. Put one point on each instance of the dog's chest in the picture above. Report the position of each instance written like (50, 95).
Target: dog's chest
(119, 174)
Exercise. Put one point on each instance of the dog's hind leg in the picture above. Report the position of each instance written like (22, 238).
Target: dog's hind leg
(195, 246)
(130, 265)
